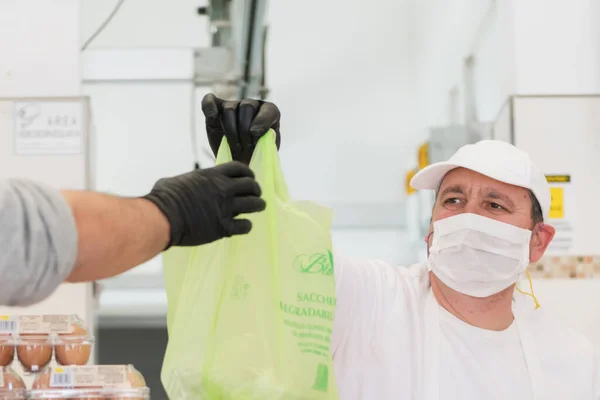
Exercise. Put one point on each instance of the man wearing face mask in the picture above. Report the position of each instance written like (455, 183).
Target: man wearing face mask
(455, 327)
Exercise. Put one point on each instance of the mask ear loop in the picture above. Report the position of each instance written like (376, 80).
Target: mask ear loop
(532, 294)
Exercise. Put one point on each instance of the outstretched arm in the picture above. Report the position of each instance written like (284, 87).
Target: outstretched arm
(115, 234)
(50, 236)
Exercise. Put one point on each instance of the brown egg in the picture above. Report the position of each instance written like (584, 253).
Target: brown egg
(7, 350)
(136, 381)
(73, 348)
(42, 381)
(135, 378)
(12, 380)
(13, 387)
(34, 351)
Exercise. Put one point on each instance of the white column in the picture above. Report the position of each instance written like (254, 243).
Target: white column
(557, 46)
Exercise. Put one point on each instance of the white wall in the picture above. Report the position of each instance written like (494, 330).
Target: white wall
(146, 23)
(449, 32)
(524, 47)
(40, 54)
(340, 71)
(557, 46)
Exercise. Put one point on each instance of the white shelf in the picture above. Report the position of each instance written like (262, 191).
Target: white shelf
(132, 308)
(138, 64)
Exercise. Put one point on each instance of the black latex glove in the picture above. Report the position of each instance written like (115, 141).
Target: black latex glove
(201, 205)
(241, 122)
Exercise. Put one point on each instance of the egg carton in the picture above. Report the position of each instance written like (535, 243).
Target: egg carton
(81, 394)
(12, 386)
(115, 382)
(35, 340)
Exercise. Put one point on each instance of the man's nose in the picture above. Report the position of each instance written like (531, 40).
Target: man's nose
(472, 207)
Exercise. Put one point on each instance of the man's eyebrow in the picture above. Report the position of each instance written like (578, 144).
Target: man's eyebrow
(452, 189)
(492, 194)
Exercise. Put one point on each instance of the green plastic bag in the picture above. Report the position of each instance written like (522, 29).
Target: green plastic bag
(250, 317)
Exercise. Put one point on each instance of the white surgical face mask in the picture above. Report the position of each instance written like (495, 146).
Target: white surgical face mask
(478, 256)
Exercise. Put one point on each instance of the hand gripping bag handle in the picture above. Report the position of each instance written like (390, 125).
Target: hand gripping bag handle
(264, 163)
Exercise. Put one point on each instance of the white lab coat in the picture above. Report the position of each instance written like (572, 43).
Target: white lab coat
(385, 343)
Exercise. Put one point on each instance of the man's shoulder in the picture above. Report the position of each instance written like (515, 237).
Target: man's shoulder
(412, 271)
(568, 359)
(558, 341)
(382, 275)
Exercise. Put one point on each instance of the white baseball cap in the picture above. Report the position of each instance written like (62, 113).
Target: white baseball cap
(494, 158)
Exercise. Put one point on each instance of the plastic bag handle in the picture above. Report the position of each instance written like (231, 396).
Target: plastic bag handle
(264, 163)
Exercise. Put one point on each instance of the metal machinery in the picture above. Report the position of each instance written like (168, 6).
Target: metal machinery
(234, 65)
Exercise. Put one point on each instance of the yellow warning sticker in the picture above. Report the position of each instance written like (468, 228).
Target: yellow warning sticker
(558, 178)
(409, 176)
(557, 203)
(423, 156)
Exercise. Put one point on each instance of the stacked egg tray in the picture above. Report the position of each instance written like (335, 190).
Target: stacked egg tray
(76, 382)
(35, 340)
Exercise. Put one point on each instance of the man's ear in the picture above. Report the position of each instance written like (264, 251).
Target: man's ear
(426, 238)
(540, 239)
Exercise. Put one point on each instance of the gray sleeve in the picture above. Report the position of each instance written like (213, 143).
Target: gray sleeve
(38, 248)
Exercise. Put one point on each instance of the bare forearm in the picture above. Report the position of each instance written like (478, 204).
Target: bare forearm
(115, 234)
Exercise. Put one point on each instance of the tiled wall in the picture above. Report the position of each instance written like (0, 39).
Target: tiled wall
(566, 267)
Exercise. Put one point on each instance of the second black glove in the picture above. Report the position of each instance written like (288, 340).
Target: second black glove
(241, 122)
(201, 206)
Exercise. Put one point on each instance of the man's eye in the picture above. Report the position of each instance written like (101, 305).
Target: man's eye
(497, 206)
(452, 200)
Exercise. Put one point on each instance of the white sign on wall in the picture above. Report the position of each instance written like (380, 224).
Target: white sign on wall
(48, 127)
